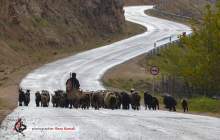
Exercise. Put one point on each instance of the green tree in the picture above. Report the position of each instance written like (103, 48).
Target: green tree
(196, 59)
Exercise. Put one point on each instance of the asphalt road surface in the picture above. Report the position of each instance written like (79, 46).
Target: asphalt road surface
(56, 123)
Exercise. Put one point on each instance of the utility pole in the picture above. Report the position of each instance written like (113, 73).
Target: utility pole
(153, 87)
(157, 3)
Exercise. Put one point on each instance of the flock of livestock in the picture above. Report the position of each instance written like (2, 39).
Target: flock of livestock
(99, 99)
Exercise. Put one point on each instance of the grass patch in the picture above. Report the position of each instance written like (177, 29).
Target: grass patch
(39, 22)
(198, 105)
(204, 104)
(127, 84)
(3, 104)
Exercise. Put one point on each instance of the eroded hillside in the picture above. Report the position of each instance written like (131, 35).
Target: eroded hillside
(33, 30)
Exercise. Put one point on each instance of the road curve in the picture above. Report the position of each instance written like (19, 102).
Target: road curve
(43, 123)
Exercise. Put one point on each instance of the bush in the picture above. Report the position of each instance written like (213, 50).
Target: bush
(204, 104)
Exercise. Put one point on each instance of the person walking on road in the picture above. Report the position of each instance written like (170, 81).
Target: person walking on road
(72, 83)
(72, 88)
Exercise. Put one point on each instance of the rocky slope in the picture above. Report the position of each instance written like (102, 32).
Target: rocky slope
(32, 30)
(74, 17)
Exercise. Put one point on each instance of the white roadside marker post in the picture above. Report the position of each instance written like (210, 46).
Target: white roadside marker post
(154, 50)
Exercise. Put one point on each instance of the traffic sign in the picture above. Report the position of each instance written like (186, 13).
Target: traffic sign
(154, 70)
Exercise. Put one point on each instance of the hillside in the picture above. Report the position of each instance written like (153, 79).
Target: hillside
(30, 28)
(34, 32)
(189, 8)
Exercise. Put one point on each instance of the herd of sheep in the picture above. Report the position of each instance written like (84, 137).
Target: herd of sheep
(99, 99)
(85, 100)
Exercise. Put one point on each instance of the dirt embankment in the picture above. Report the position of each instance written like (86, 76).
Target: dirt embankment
(29, 30)
(188, 8)
(33, 33)
(139, 2)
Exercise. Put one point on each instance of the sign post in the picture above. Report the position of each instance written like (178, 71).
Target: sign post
(154, 70)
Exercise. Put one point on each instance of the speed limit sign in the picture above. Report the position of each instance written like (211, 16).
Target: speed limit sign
(154, 70)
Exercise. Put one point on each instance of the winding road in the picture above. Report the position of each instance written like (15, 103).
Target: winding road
(49, 123)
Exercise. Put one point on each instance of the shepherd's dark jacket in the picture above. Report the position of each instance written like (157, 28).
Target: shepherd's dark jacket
(75, 83)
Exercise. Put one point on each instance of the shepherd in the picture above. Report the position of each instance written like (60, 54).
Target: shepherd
(72, 88)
